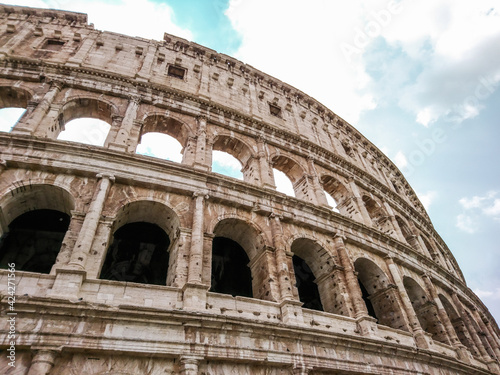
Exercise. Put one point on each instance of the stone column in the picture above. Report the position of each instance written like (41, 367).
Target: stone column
(281, 258)
(195, 293)
(189, 364)
(290, 305)
(359, 203)
(200, 158)
(353, 289)
(32, 123)
(116, 121)
(9, 47)
(300, 370)
(123, 135)
(445, 320)
(493, 337)
(366, 324)
(493, 346)
(319, 193)
(196, 253)
(417, 330)
(87, 232)
(83, 51)
(470, 327)
(43, 361)
(266, 174)
(144, 73)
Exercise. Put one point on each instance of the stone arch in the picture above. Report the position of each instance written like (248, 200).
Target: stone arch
(426, 310)
(34, 220)
(338, 191)
(380, 296)
(431, 250)
(158, 122)
(236, 247)
(143, 244)
(317, 276)
(82, 106)
(240, 150)
(378, 214)
(458, 324)
(14, 96)
(12, 100)
(296, 173)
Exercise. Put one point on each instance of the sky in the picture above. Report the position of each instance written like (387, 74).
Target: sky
(420, 79)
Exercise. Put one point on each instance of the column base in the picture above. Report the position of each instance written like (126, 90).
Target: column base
(194, 297)
(367, 326)
(291, 312)
(67, 283)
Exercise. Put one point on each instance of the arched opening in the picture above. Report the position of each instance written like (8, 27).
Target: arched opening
(164, 137)
(306, 285)
(139, 254)
(378, 292)
(226, 164)
(85, 120)
(89, 131)
(230, 271)
(143, 242)
(458, 325)
(294, 173)
(33, 240)
(407, 233)
(232, 157)
(425, 310)
(374, 209)
(283, 183)
(33, 222)
(9, 117)
(13, 104)
(159, 145)
(317, 277)
(332, 202)
(236, 245)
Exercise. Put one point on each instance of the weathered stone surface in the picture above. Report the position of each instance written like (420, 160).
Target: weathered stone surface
(393, 299)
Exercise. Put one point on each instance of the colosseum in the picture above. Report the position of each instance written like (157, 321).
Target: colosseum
(119, 263)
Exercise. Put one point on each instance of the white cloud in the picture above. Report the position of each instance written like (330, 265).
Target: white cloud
(283, 183)
(400, 160)
(143, 18)
(427, 198)
(9, 117)
(161, 146)
(487, 294)
(493, 210)
(89, 131)
(450, 48)
(466, 224)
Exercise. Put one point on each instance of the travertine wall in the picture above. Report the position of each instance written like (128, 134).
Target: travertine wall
(72, 322)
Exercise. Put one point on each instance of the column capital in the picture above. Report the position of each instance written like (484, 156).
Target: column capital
(201, 193)
(107, 176)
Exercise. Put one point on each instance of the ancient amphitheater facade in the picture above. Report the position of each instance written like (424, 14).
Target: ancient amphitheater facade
(129, 264)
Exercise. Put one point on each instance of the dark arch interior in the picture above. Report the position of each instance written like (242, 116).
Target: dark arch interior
(366, 298)
(230, 271)
(308, 289)
(34, 240)
(138, 253)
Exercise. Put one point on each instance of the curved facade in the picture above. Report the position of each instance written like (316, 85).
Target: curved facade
(129, 264)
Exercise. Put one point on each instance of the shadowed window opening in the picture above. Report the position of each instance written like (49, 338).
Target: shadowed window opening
(308, 289)
(230, 271)
(34, 240)
(53, 45)
(275, 110)
(138, 254)
(174, 71)
(366, 298)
